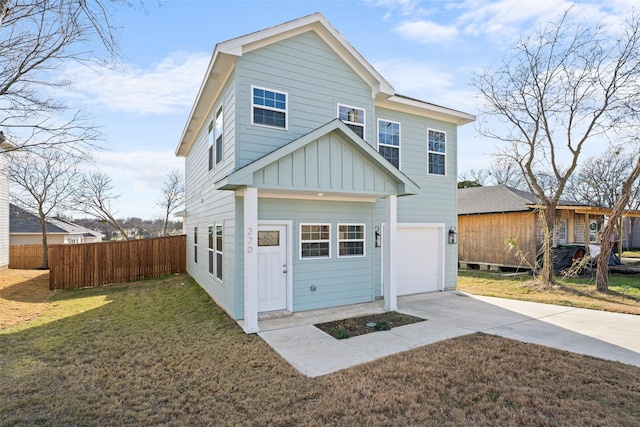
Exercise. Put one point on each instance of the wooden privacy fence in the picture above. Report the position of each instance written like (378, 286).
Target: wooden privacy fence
(26, 257)
(94, 264)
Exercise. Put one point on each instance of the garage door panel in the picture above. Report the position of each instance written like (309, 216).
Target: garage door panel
(418, 261)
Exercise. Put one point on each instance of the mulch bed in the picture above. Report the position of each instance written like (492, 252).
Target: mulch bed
(354, 326)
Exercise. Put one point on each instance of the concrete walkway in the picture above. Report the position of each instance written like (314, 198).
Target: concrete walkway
(611, 336)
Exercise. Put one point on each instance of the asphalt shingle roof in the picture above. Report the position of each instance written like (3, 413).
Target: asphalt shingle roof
(499, 198)
(23, 221)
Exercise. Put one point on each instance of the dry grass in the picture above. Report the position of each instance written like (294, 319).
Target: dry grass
(623, 296)
(161, 353)
(23, 295)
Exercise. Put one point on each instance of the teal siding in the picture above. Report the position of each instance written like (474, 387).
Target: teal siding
(205, 206)
(328, 164)
(315, 79)
(437, 200)
(338, 281)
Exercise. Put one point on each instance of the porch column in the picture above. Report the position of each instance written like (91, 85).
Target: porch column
(389, 242)
(250, 260)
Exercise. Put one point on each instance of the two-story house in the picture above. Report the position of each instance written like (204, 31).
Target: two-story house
(310, 183)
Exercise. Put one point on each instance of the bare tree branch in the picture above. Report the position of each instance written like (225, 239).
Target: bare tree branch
(94, 197)
(172, 196)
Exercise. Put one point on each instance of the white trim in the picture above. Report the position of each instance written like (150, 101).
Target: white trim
(446, 142)
(263, 107)
(294, 194)
(289, 226)
(220, 110)
(391, 219)
(250, 233)
(221, 251)
(363, 240)
(387, 145)
(211, 247)
(300, 257)
(364, 118)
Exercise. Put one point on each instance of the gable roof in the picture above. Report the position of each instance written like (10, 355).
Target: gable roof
(225, 55)
(396, 182)
(22, 221)
(495, 199)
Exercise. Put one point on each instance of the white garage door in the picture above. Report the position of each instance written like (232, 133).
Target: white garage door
(419, 260)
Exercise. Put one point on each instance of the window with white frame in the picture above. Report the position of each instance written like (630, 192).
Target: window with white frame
(389, 141)
(210, 235)
(210, 139)
(269, 107)
(195, 245)
(562, 232)
(350, 240)
(436, 152)
(218, 130)
(353, 117)
(315, 240)
(219, 252)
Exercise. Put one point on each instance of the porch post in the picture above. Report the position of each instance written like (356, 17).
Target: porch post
(389, 242)
(250, 260)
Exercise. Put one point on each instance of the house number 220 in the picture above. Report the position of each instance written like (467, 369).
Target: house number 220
(249, 240)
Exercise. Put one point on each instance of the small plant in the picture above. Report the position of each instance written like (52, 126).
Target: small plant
(383, 326)
(340, 332)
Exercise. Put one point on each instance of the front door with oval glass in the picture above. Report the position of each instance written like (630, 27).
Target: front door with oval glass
(272, 268)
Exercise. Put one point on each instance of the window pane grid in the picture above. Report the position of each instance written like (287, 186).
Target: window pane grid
(351, 240)
(436, 152)
(315, 241)
(269, 108)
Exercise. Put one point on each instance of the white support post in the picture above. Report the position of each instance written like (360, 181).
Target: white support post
(250, 260)
(389, 242)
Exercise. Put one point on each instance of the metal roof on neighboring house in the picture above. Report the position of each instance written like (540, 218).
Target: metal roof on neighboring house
(24, 222)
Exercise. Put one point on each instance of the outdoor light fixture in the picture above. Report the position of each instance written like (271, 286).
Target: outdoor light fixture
(377, 237)
(453, 236)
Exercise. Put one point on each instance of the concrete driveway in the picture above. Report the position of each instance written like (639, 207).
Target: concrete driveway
(450, 314)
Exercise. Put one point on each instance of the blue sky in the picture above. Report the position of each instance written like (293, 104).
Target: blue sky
(425, 49)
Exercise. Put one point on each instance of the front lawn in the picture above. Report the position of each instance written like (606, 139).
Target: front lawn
(160, 352)
(623, 296)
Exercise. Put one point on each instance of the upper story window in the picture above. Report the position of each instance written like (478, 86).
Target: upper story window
(218, 130)
(353, 117)
(210, 139)
(436, 152)
(389, 141)
(269, 107)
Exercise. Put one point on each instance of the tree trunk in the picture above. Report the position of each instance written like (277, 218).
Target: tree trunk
(4, 7)
(548, 218)
(602, 273)
(45, 246)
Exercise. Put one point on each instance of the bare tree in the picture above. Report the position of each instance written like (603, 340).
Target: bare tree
(37, 38)
(499, 172)
(44, 182)
(597, 181)
(602, 272)
(172, 196)
(556, 92)
(94, 197)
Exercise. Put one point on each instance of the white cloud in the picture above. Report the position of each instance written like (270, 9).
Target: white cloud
(163, 88)
(427, 32)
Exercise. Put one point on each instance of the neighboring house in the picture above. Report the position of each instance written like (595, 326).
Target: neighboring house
(488, 216)
(310, 183)
(25, 230)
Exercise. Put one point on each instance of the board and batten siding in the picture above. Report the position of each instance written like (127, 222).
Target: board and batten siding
(315, 79)
(436, 202)
(328, 164)
(4, 211)
(338, 281)
(206, 206)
